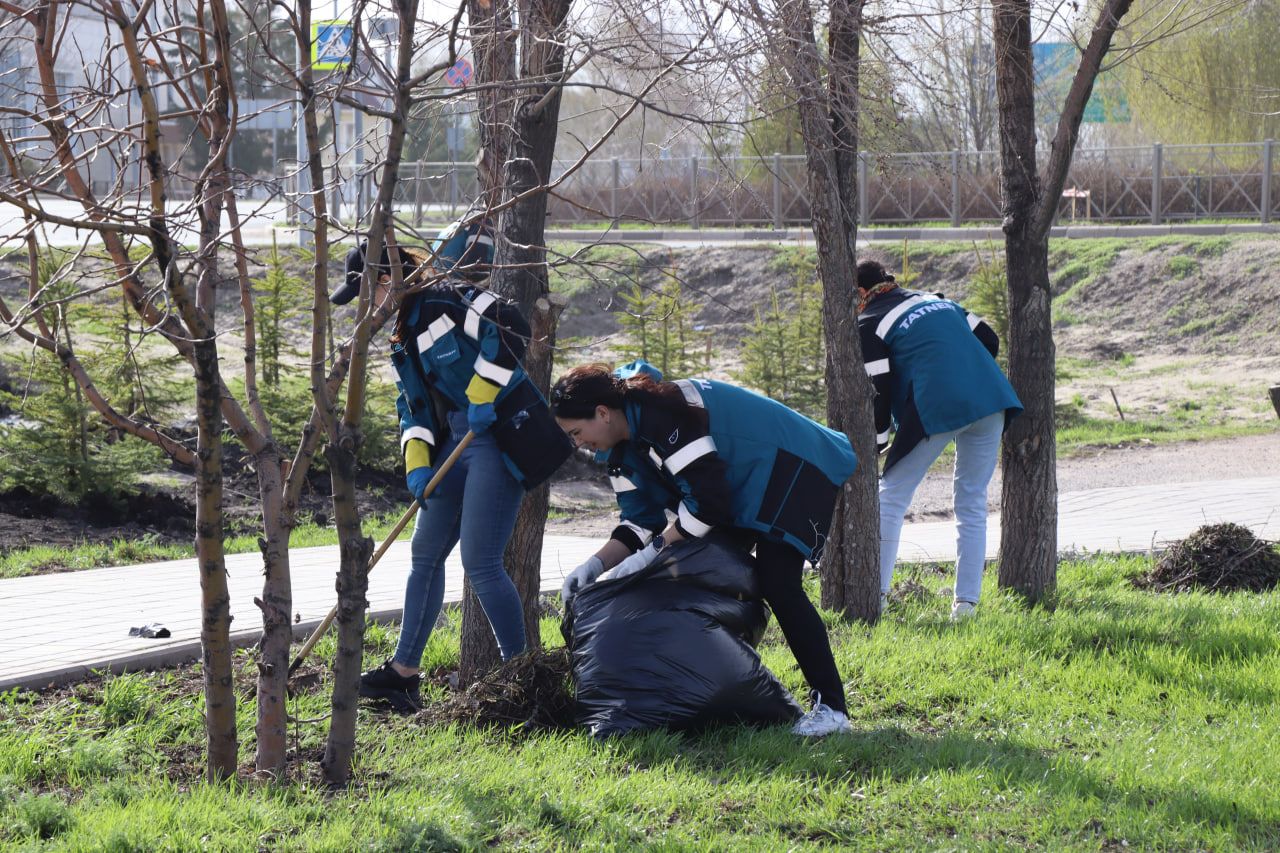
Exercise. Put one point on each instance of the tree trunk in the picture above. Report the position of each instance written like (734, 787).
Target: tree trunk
(211, 193)
(215, 624)
(1028, 543)
(276, 605)
(493, 44)
(1029, 501)
(478, 650)
(353, 587)
(521, 275)
(828, 120)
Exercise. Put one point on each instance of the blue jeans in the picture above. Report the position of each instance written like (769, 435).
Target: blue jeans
(476, 502)
(977, 447)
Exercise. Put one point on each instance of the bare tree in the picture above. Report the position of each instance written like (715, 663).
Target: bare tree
(826, 89)
(158, 107)
(945, 55)
(1030, 201)
(1031, 198)
(189, 282)
(522, 151)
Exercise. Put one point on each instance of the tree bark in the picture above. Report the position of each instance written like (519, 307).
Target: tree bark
(493, 43)
(520, 273)
(353, 586)
(828, 118)
(215, 597)
(1029, 500)
(276, 605)
(210, 193)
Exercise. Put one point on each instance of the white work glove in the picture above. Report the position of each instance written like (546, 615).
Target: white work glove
(638, 561)
(582, 576)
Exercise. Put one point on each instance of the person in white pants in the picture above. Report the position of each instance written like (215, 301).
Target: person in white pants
(977, 446)
(936, 378)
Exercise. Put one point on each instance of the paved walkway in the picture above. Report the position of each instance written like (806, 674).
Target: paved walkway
(55, 628)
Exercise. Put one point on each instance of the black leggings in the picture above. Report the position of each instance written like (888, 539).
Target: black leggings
(779, 571)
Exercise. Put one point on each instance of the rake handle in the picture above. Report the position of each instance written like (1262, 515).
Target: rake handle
(386, 544)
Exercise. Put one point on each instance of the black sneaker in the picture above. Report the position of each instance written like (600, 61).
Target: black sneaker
(399, 691)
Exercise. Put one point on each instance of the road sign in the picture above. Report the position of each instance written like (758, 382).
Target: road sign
(330, 45)
(460, 74)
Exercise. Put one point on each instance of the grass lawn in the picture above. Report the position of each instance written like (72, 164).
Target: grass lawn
(1123, 718)
(21, 562)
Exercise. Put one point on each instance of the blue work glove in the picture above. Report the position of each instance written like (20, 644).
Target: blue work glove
(582, 576)
(417, 480)
(481, 416)
(638, 561)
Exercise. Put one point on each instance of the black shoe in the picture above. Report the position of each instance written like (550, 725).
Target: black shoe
(402, 692)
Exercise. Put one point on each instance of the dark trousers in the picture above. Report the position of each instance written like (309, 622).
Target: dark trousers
(779, 573)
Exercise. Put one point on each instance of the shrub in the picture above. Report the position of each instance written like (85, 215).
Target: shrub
(989, 297)
(57, 447)
(784, 352)
(280, 299)
(660, 328)
(288, 406)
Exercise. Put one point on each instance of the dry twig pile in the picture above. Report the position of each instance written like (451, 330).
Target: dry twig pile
(532, 690)
(1216, 558)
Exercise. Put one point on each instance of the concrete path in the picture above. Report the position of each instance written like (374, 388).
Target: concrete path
(55, 628)
(263, 219)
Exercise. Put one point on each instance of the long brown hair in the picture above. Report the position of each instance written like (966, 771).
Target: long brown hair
(400, 328)
(577, 393)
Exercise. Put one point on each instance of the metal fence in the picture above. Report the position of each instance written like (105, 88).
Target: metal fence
(1156, 183)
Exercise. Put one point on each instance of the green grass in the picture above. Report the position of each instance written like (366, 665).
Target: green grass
(21, 562)
(1073, 264)
(1123, 718)
(1192, 419)
(45, 558)
(1182, 267)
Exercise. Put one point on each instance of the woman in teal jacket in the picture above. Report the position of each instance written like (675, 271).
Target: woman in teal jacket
(934, 368)
(457, 350)
(718, 456)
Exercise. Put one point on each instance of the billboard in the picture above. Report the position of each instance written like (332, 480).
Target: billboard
(1055, 66)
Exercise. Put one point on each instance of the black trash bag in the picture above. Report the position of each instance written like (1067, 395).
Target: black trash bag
(673, 646)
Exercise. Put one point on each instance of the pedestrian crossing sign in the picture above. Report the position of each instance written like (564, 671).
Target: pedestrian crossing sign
(330, 45)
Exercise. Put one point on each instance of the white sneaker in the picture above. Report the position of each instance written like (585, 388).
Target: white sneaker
(823, 720)
(962, 610)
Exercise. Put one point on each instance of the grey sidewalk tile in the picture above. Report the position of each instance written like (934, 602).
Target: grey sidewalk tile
(56, 627)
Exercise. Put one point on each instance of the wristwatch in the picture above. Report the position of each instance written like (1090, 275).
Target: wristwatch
(658, 543)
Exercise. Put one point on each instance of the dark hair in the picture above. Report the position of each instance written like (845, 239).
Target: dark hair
(871, 273)
(577, 393)
(400, 328)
